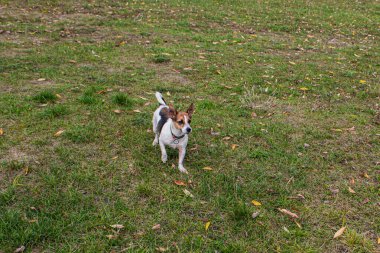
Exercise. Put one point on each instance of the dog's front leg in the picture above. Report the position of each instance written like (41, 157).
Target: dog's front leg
(164, 156)
(182, 153)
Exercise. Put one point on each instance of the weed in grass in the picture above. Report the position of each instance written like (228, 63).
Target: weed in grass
(161, 58)
(240, 212)
(258, 98)
(144, 190)
(122, 99)
(88, 99)
(45, 96)
(81, 134)
(14, 165)
(55, 111)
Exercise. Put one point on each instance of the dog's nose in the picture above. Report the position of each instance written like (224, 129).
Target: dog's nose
(188, 129)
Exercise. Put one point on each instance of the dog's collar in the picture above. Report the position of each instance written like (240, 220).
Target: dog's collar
(175, 137)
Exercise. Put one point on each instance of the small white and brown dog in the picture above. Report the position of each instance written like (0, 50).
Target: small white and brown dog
(171, 129)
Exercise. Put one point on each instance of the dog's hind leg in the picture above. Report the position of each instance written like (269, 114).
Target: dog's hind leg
(155, 122)
(155, 142)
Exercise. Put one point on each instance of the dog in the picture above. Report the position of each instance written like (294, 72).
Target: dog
(171, 128)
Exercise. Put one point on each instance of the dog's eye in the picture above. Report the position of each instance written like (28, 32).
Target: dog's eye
(189, 121)
(180, 122)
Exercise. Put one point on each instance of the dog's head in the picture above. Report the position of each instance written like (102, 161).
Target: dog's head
(180, 119)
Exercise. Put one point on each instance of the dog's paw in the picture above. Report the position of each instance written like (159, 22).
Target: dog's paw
(164, 158)
(182, 169)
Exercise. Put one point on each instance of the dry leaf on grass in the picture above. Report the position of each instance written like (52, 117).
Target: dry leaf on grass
(339, 232)
(117, 111)
(287, 212)
(1, 131)
(364, 175)
(41, 79)
(207, 225)
(351, 190)
(188, 193)
(234, 146)
(256, 203)
(255, 214)
(118, 226)
(59, 133)
(156, 227)
(207, 168)
(161, 249)
(20, 249)
(179, 182)
(137, 111)
(111, 236)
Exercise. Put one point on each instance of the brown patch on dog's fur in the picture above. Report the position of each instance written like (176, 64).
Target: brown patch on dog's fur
(178, 116)
(181, 116)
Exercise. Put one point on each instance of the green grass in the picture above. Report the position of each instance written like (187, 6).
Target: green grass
(293, 84)
(45, 96)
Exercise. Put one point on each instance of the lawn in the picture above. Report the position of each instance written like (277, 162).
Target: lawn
(287, 116)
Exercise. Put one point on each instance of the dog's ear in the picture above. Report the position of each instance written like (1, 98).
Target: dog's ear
(172, 113)
(190, 110)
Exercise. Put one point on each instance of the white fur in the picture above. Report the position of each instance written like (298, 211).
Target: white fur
(165, 138)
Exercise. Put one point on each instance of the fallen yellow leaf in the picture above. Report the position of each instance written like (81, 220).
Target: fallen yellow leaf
(351, 190)
(207, 168)
(339, 232)
(117, 111)
(111, 237)
(304, 88)
(378, 240)
(207, 225)
(1, 131)
(256, 203)
(138, 111)
(366, 175)
(293, 63)
(362, 81)
(58, 96)
(234, 146)
(59, 133)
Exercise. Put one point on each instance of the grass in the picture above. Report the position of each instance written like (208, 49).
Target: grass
(287, 113)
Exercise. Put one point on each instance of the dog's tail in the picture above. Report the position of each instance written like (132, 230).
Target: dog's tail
(160, 99)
